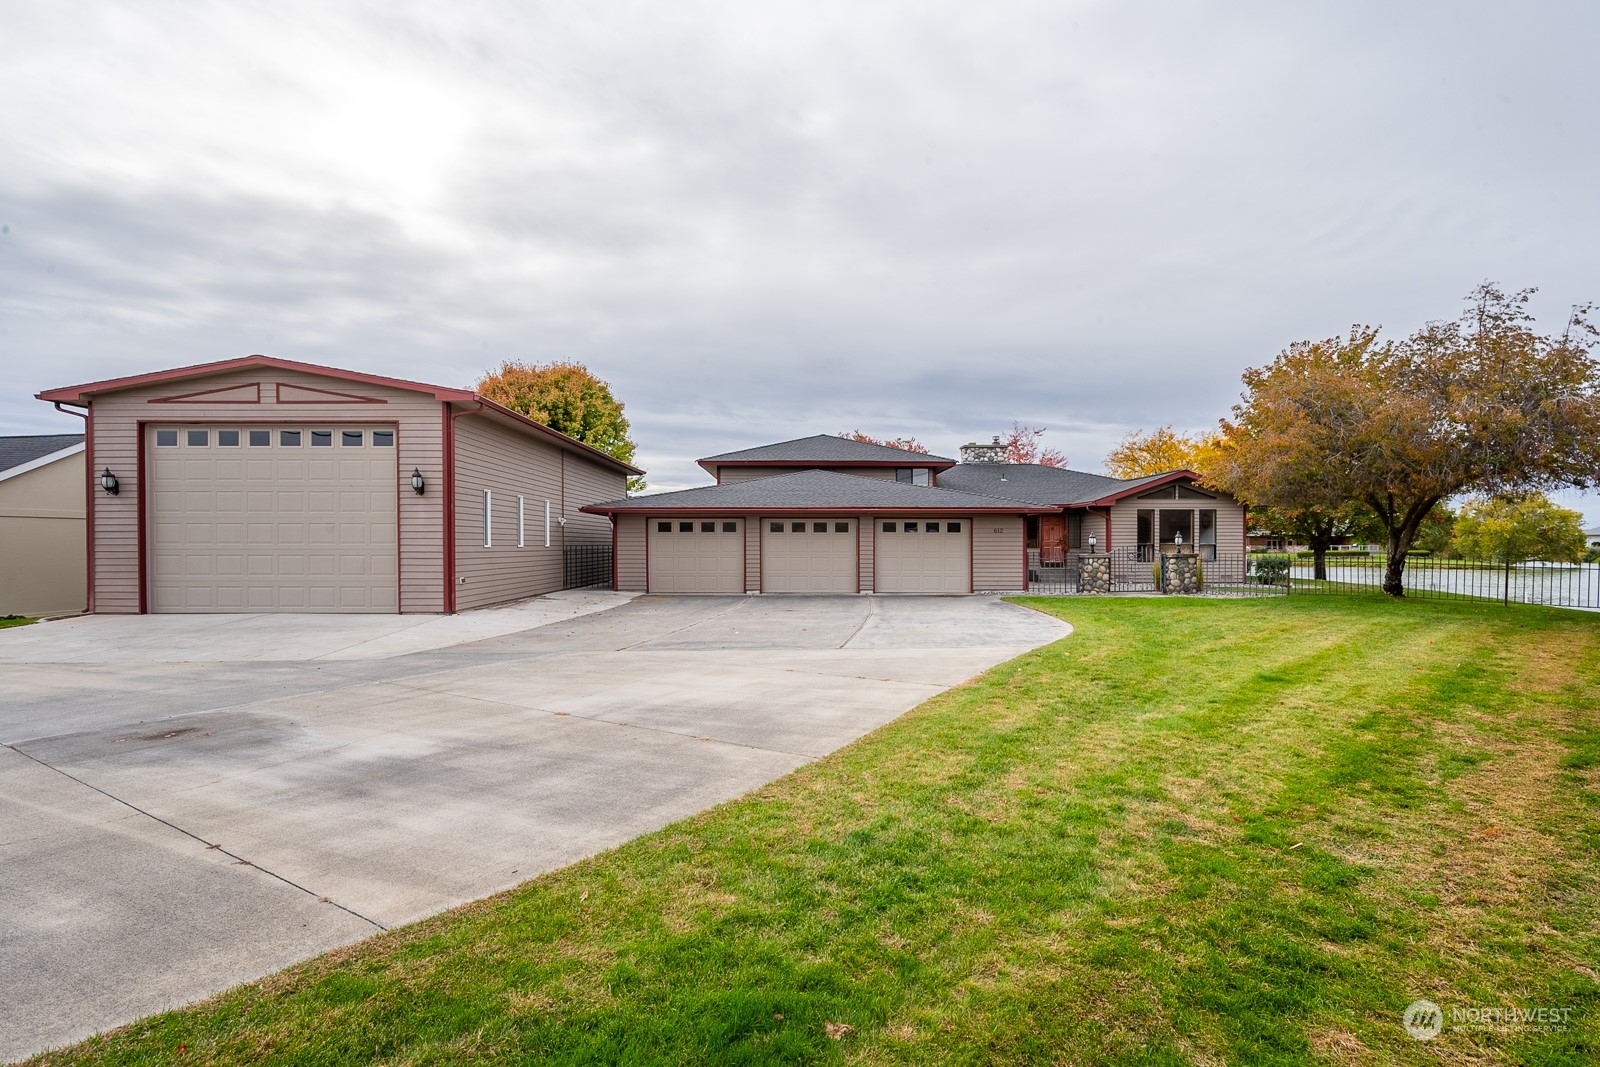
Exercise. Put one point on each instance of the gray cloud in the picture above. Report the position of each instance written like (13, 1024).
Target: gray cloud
(760, 221)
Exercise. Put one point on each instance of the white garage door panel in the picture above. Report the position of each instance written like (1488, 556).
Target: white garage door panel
(269, 528)
(808, 555)
(924, 555)
(696, 555)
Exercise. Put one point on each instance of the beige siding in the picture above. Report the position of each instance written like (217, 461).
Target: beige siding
(506, 464)
(752, 553)
(867, 531)
(745, 474)
(42, 566)
(1230, 520)
(1094, 523)
(631, 553)
(588, 482)
(116, 418)
(997, 553)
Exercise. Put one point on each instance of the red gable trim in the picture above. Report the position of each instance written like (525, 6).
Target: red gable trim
(573, 443)
(78, 394)
(1142, 487)
(956, 510)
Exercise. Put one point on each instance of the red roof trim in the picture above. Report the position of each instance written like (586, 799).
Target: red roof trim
(76, 394)
(570, 442)
(1123, 494)
(956, 510)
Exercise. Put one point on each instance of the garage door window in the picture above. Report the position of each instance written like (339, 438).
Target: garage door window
(289, 438)
(321, 438)
(888, 527)
(933, 527)
(167, 438)
(730, 527)
(841, 527)
(663, 527)
(797, 527)
(952, 527)
(351, 438)
(228, 438)
(199, 438)
(382, 438)
(260, 438)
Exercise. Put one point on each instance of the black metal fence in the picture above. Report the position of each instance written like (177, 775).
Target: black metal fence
(1136, 570)
(587, 566)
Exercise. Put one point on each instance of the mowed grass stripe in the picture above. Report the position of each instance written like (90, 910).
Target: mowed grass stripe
(1193, 832)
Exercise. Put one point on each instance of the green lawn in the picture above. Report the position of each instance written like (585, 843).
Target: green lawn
(1196, 832)
(14, 620)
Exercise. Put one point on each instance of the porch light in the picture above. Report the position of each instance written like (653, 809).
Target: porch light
(1091, 542)
(417, 484)
(109, 483)
(1177, 539)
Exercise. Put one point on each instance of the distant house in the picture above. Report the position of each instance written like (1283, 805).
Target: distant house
(827, 514)
(1592, 536)
(43, 489)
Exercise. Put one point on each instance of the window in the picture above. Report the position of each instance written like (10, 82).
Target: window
(260, 438)
(730, 527)
(663, 527)
(932, 527)
(289, 438)
(321, 438)
(521, 527)
(888, 527)
(199, 438)
(819, 527)
(488, 515)
(841, 527)
(911, 527)
(351, 438)
(775, 527)
(914, 475)
(228, 438)
(952, 527)
(708, 527)
(167, 438)
(668, 525)
(382, 438)
(797, 527)
(686, 527)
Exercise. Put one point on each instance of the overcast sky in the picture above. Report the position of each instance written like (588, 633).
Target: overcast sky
(765, 220)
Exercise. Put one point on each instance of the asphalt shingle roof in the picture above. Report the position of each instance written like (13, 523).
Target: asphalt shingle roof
(15, 451)
(826, 448)
(815, 489)
(1030, 482)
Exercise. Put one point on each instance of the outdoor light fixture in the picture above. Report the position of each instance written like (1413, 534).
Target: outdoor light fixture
(1091, 542)
(108, 482)
(1177, 539)
(417, 484)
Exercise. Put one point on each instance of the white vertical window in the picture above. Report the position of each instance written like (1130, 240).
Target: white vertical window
(547, 524)
(521, 526)
(488, 525)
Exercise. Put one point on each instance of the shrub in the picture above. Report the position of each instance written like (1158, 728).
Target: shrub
(1271, 569)
(1336, 553)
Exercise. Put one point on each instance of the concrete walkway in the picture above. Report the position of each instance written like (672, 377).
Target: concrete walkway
(189, 805)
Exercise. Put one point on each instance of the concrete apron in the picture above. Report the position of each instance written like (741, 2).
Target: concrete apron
(170, 829)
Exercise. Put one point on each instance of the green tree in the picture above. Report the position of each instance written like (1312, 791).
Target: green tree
(1514, 529)
(568, 398)
(1482, 404)
(1436, 535)
(1157, 452)
(1319, 528)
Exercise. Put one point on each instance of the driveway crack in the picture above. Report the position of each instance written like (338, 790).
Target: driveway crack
(210, 845)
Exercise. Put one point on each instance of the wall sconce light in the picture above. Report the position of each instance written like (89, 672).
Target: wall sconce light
(109, 483)
(417, 482)
(1092, 542)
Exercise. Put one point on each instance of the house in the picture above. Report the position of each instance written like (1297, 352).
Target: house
(261, 484)
(1592, 537)
(826, 514)
(42, 492)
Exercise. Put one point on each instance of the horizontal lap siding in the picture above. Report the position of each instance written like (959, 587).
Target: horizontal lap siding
(587, 482)
(116, 444)
(1230, 520)
(997, 558)
(1094, 525)
(507, 464)
(631, 553)
(752, 553)
(42, 535)
(867, 531)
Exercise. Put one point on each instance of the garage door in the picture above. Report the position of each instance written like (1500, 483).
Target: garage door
(924, 556)
(808, 556)
(274, 518)
(696, 555)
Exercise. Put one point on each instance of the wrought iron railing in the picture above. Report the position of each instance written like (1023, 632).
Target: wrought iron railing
(587, 566)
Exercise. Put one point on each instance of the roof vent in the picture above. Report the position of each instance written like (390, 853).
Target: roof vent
(972, 452)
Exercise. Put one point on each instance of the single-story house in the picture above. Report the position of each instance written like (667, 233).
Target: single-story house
(1592, 536)
(42, 508)
(262, 484)
(826, 514)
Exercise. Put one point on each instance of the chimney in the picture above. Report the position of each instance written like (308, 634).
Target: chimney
(972, 452)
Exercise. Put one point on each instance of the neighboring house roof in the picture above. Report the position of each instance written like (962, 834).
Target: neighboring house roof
(1030, 482)
(81, 394)
(825, 450)
(18, 455)
(814, 490)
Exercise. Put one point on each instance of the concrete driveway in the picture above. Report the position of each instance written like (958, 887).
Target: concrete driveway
(191, 802)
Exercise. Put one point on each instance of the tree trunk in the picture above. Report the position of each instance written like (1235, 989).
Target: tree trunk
(1319, 563)
(1401, 538)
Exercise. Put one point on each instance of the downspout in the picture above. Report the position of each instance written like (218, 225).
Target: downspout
(87, 415)
(450, 502)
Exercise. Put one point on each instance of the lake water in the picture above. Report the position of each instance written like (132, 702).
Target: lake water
(1554, 584)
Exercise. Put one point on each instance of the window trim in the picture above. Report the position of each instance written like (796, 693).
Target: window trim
(547, 524)
(521, 525)
(488, 518)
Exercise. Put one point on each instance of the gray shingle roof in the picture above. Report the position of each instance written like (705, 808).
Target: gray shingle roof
(1030, 482)
(15, 451)
(826, 448)
(814, 489)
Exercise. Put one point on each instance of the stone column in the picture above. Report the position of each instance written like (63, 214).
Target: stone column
(1094, 572)
(1180, 573)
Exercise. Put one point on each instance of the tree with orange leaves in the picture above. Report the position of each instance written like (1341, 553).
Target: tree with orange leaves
(1022, 446)
(909, 444)
(565, 396)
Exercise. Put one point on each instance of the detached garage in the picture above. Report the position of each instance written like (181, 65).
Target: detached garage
(262, 485)
(819, 532)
